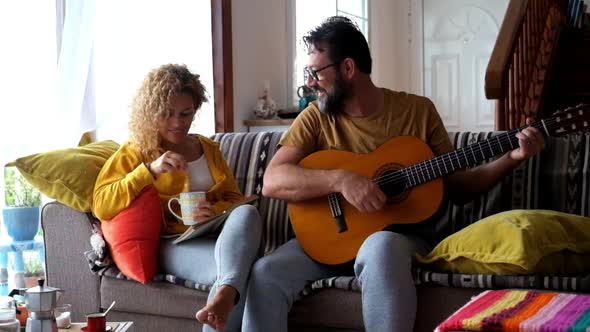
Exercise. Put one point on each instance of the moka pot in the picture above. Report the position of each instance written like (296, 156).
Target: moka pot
(40, 301)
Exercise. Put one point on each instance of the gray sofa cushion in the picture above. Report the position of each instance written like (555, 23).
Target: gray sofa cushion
(157, 298)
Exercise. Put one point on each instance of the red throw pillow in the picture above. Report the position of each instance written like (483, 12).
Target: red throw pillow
(133, 236)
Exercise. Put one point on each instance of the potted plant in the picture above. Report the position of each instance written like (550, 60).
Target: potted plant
(33, 271)
(23, 204)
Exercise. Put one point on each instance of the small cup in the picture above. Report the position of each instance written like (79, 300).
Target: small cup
(187, 202)
(63, 316)
(96, 322)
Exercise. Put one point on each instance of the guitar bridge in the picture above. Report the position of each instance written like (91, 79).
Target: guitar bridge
(337, 212)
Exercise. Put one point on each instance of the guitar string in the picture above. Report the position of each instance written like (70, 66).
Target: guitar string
(400, 176)
(414, 171)
(506, 138)
(333, 204)
(336, 203)
(445, 158)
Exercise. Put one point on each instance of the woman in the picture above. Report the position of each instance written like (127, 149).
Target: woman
(160, 152)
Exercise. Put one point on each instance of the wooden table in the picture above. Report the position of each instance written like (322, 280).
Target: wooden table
(117, 327)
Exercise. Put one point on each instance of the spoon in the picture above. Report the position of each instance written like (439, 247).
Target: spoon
(108, 309)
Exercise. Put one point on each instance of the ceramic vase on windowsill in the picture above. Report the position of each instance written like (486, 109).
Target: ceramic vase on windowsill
(33, 272)
(266, 108)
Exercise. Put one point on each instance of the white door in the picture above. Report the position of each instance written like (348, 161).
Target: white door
(459, 36)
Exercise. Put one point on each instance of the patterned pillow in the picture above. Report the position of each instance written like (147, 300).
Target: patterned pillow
(248, 155)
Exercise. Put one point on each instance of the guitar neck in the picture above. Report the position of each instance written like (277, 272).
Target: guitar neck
(471, 155)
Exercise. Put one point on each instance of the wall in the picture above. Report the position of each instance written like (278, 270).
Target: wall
(261, 47)
(389, 42)
(260, 53)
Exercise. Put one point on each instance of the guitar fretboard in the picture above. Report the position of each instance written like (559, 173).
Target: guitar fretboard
(471, 155)
(447, 164)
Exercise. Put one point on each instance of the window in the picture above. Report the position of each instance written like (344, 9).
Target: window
(310, 13)
(27, 84)
(135, 36)
(85, 78)
(50, 94)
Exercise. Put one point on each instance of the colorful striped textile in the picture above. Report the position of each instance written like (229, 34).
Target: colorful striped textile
(522, 310)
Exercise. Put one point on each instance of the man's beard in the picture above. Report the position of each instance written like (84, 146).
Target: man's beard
(333, 103)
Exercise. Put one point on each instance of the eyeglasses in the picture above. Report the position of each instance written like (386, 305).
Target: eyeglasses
(314, 72)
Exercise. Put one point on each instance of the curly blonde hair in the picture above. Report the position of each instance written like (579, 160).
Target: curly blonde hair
(151, 103)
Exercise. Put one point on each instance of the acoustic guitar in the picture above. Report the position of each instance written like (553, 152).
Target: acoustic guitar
(331, 230)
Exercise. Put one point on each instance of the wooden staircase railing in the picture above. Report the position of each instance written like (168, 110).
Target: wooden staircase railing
(518, 70)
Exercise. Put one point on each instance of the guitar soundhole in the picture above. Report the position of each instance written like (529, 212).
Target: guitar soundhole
(392, 183)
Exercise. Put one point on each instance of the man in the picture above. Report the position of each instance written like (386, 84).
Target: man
(353, 114)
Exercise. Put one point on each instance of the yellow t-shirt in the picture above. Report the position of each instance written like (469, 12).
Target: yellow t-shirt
(402, 114)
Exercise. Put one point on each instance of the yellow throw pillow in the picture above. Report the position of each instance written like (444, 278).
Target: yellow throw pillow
(517, 242)
(67, 175)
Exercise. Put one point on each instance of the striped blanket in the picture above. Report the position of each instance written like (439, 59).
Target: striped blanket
(521, 310)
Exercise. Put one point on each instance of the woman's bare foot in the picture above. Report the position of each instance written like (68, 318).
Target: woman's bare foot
(216, 312)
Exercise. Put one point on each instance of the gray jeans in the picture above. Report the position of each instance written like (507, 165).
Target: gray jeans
(383, 267)
(225, 260)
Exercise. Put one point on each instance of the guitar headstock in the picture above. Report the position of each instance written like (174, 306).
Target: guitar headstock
(569, 120)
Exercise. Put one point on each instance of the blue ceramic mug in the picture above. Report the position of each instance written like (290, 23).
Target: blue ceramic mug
(306, 95)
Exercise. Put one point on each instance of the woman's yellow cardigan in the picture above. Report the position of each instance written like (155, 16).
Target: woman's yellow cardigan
(125, 175)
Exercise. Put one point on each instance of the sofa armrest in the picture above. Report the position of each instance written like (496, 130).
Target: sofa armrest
(66, 234)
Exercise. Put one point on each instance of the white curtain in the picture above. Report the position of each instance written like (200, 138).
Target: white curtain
(75, 81)
(45, 101)
(136, 36)
(41, 96)
(27, 84)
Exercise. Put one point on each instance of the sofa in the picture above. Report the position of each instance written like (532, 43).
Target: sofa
(557, 179)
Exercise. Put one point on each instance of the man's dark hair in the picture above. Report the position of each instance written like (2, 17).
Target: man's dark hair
(342, 39)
